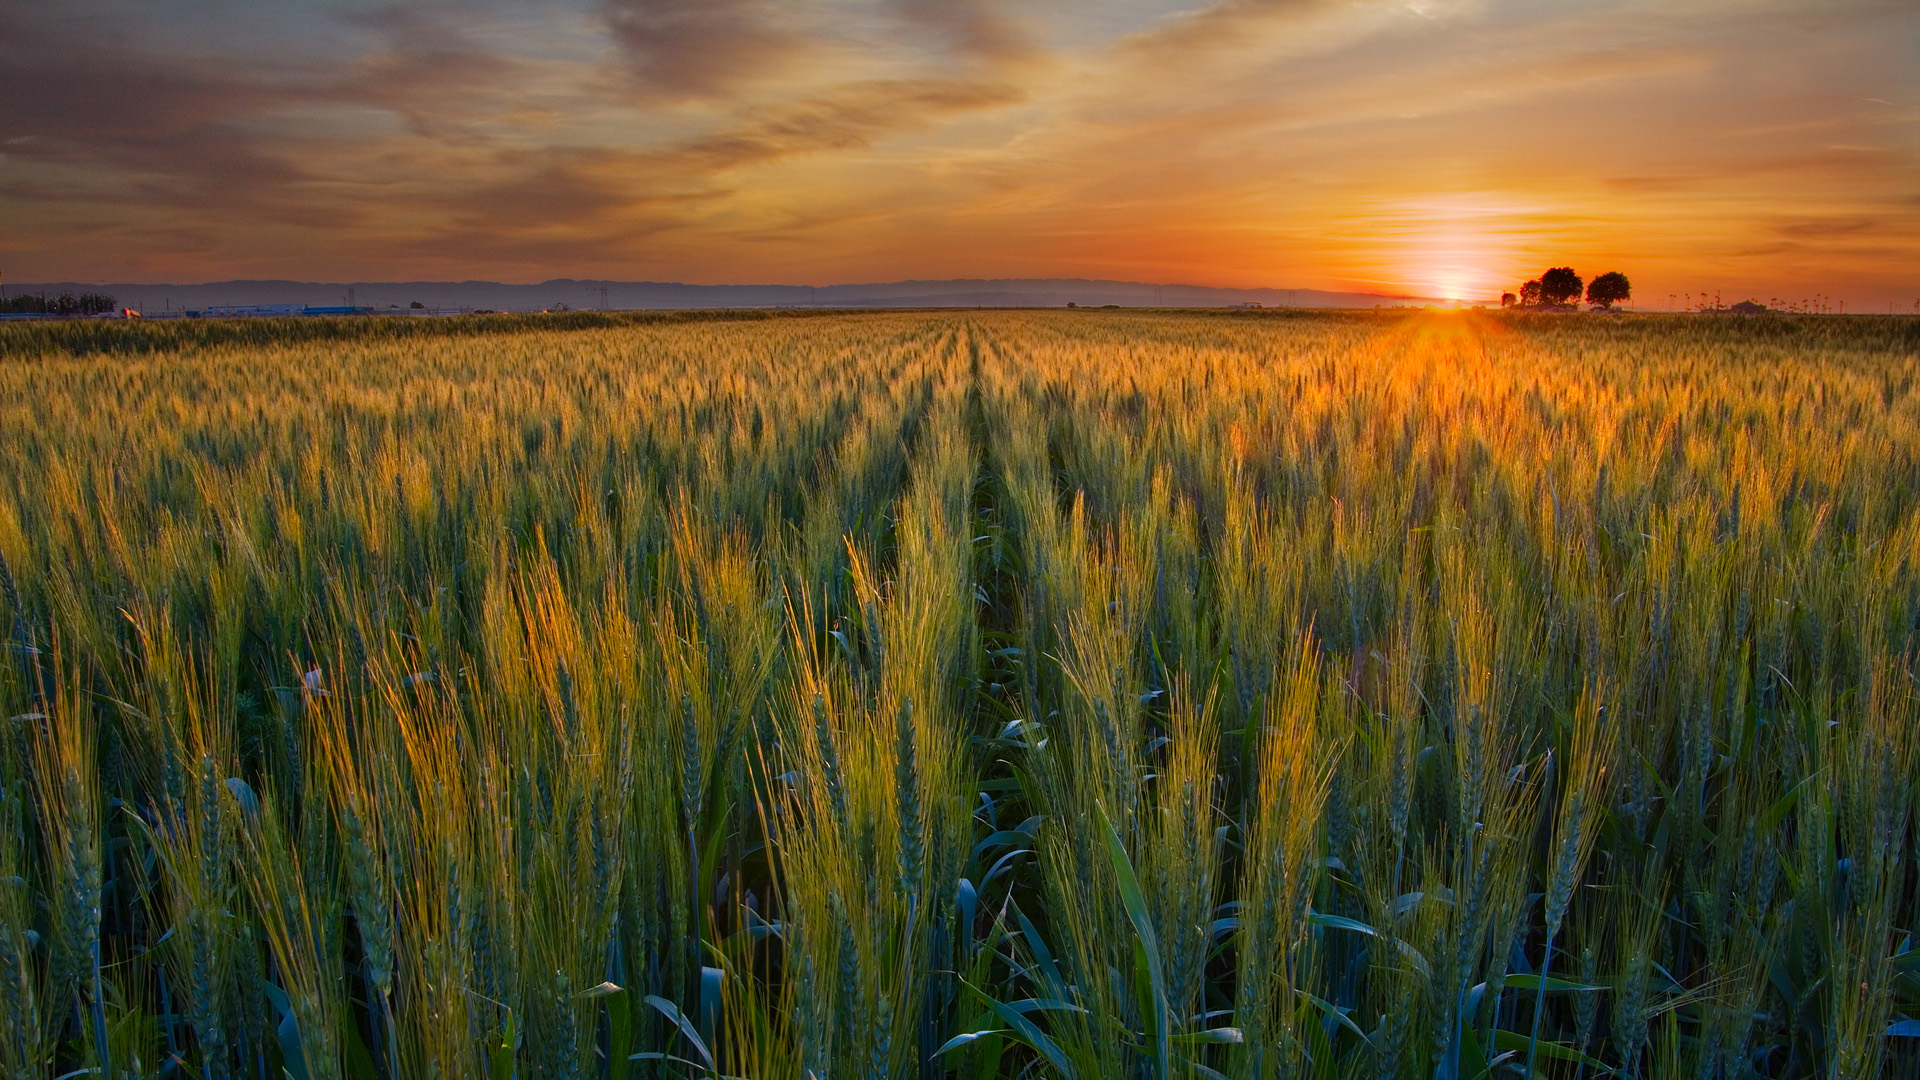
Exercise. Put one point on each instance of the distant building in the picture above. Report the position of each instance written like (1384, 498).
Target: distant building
(1749, 307)
(1249, 304)
(280, 311)
(252, 311)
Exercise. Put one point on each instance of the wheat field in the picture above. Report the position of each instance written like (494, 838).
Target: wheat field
(982, 694)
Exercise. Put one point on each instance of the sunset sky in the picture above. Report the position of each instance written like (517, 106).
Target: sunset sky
(1436, 147)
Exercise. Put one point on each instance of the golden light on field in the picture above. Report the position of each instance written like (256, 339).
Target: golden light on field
(477, 694)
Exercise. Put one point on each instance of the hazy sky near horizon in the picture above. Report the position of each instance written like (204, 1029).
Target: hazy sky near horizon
(1436, 147)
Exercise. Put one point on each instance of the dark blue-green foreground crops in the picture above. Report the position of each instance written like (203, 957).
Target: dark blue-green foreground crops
(1046, 695)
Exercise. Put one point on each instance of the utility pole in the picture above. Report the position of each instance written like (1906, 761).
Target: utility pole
(603, 298)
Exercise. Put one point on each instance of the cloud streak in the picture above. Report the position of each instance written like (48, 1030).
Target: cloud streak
(694, 48)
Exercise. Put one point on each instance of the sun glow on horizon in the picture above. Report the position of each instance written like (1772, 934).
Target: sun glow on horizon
(1455, 246)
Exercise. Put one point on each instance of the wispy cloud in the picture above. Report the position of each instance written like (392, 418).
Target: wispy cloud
(694, 48)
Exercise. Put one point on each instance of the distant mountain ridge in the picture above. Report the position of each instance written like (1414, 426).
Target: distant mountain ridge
(592, 294)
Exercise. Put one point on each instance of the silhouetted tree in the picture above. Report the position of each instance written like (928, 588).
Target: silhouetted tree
(1507, 299)
(1560, 285)
(1530, 294)
(1609, 289)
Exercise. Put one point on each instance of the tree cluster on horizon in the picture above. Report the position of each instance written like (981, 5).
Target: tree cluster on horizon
(1559, 290)
(64, 304)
